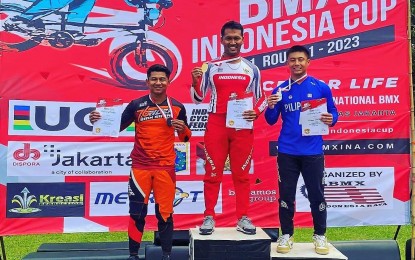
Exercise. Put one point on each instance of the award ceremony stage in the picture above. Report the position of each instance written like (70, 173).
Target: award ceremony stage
(223, 244)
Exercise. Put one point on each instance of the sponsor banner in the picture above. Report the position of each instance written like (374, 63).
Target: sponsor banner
(108, 199)
(111, 199)
(37, 200)
(353, 189)
(259, 195)
(197, 116)
(50, 118)
(335, 46)
(46, 101)
(79, 158)
(68, 159)
(363, 146)
(182, 158)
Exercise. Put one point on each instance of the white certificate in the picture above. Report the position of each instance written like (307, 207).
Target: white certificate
(109, 124)
(234, 112)
(310, 115)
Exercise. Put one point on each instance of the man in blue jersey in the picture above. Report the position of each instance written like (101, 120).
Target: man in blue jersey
(299, 153)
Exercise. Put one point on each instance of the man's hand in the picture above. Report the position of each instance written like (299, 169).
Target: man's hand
(274, 99)
(94, 116)
(249, 115)
(178, 125)
(326, 118)
(196, 75)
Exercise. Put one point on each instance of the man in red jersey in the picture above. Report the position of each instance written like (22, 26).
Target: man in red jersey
(157, 117)
(228, 78)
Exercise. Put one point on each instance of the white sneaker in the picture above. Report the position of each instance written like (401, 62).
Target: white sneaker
(320, 244)
(245, 226)
(208, 226)
(285, 243)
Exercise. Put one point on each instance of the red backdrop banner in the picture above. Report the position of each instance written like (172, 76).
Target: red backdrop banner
(58, 59)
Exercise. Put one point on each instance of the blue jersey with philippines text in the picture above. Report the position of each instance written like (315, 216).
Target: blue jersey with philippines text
(291, 140)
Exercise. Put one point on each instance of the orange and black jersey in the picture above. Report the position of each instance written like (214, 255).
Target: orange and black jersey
(154, 139)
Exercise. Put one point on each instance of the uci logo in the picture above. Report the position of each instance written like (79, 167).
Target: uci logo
(26, 153)
(50, 117)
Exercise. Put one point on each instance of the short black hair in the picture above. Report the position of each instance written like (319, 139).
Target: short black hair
(158, 68)
(231, 25)
(299, 48)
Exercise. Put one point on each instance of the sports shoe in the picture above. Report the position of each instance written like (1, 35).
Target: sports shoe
(245, 226)
(133, 257)
(208, 226)
(284, 244)
(320, 244)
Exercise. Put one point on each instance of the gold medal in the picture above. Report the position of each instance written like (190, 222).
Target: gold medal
(204, 67)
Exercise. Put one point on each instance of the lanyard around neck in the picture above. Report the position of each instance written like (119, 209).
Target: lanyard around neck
(161, 110)
(217, 62)
(221, 60)
(287, 88)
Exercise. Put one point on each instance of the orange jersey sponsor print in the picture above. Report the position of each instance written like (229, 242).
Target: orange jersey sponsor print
(154, 138)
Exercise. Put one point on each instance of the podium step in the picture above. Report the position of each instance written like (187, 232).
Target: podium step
(80, 255)
(92, 246)
(306, 251)
(85, 251)
(227, 243)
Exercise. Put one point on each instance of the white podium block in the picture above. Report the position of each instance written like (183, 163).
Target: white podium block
(229, 244)
(306, 251)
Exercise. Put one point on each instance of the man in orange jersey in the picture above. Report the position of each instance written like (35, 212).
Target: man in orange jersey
(157, 117)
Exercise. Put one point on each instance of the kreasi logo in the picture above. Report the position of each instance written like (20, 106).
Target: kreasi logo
(57, 199)
(24, 202)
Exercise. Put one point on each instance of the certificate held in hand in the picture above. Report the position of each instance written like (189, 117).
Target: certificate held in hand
(109, 124)
(235, 108)
(310, 115)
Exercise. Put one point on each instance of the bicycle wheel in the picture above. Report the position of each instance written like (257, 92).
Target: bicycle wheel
(132, 74)
(18, 40)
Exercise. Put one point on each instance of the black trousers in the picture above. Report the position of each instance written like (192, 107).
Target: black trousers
(311, 167)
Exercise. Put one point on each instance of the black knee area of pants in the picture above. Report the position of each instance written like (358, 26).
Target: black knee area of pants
(165, 229)
(138, 212)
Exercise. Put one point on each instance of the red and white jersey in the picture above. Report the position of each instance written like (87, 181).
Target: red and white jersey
(225, 80)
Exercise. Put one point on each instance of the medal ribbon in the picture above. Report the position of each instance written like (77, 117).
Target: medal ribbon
(223, 60)
(161, 110)
(287, 88)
